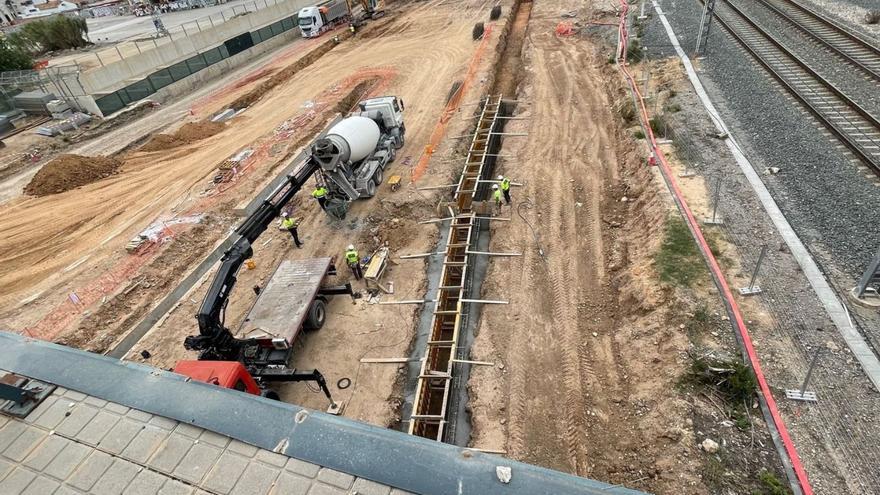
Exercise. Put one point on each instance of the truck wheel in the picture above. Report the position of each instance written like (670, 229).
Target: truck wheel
(400, 142)
(478, 31)
(370, 190)
(392, 154)
(270, 394)
(378, 176)
(495, 13)
(317, 315)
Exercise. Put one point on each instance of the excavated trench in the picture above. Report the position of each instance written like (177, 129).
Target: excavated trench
(504, 81)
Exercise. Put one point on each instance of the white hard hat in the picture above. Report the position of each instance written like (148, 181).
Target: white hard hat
(284, 214)
(351, 247)
(494, 186)
(500, 177)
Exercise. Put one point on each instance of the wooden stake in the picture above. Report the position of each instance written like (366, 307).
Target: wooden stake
(385, 360)
(481, 363)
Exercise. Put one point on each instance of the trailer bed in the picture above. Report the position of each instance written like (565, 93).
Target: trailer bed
(283, 304)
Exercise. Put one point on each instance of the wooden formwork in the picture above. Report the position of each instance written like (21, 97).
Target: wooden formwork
(435, 377)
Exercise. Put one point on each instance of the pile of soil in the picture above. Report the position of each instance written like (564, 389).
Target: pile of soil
(188, 133)
(68, 172)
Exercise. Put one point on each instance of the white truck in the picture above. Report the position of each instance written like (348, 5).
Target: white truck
(316, 19)
(351, 157)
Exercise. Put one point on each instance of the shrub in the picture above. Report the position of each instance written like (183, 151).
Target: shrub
(13, 57)
(872, 17)
(55, 33)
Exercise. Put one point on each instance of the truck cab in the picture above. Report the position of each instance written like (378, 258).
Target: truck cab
(388, 112)
(311, 22)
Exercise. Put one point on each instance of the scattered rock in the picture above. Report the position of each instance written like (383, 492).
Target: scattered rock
(710, 446)
(504, 473)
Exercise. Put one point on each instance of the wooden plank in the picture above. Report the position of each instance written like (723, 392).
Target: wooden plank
(481, 301)
(465, 361)
(385, 360)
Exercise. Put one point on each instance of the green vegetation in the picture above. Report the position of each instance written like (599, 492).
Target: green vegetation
(634, 51)
(14, 58)
(732, 379)
(639, 134)
(770, 485)
(678, 262)
(659, 125)
(674, 108)
(47, 35)
(627, 110)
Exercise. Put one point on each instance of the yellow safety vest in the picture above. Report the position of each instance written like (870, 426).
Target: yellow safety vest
(505, 184)
(497, 195)
(351, 256)
(319, 192)
(288, 223)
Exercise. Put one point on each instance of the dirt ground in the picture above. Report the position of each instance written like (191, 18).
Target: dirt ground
(589, 361)
(361, 329)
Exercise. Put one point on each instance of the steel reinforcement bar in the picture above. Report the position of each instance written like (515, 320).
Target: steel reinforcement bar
(849, 45)
(435, 380)
(853, 125)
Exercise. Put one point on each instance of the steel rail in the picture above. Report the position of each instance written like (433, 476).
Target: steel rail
(857, 129)
(845, 43)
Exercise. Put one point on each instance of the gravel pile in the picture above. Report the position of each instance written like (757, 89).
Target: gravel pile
(825, 196)
(844, 76)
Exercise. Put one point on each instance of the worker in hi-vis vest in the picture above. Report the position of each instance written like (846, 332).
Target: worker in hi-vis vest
(496, 195)
(354, 262)
(505, 187)
(290, 224)
(320, 193)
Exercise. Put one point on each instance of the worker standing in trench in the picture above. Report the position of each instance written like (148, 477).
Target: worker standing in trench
(320, 193)
(496, 195)
(505, 188)
(290, 224)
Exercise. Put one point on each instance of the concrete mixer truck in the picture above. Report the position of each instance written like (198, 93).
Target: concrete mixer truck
(351, 157)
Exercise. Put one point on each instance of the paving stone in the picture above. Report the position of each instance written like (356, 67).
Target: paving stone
(66, 462)
(4, 420)
(197, 462)
(54, 414)
(122, 433)
(5, 467)
(24, 444)
(42, 485)
(291, 484)
(39, 411)
(172, 487)
(45, 452)
(304, 468)
(335, 478)
(10, 433)
(94, 401)
(114, 481)
(164, 423)
(225, 473)
(139, 416)
(170, 453)
(72, 395)
(97, 428)
(322, 489)
(146, 483)
(367, 487)
(256, 480)
(188, 430)
(79, 417)
(242, 448)
(90, 470)
(272, 458)
(17, 481)
(116, 408)
(66, 490)
(214, 439)
(144, 444)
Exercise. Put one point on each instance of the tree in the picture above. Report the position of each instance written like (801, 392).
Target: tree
(14, 58)
(55, 33)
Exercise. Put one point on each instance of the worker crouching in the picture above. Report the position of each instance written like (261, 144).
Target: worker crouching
(354, 262)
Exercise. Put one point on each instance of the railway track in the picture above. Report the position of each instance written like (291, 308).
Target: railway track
(852, 124)
(851, 46)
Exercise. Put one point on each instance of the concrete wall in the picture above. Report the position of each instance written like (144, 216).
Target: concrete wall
(116, 75)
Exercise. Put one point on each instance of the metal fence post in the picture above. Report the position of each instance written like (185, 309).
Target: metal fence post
(716, 198)
(802, 393)
(753, 289)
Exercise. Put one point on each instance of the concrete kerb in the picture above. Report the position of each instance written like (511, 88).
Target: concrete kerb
(833, 305)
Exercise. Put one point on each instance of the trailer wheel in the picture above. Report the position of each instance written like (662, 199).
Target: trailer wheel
(495, 13)
(371, 189)
(270, 394)
(317, 315)
(378, 176)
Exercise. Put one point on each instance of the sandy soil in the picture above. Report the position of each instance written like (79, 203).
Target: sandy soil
(589, 359)
(398, 49)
